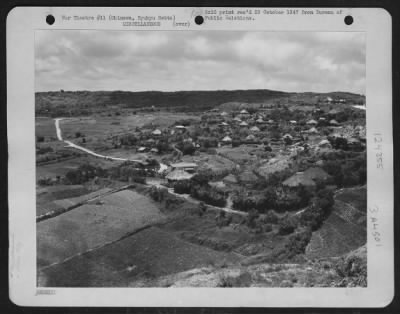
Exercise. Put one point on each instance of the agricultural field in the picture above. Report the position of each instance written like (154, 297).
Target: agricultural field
(46, 196)
(44, 126)
(94, 225)
(345, 229)
(104, 125)
(147, 254)
(61, 168)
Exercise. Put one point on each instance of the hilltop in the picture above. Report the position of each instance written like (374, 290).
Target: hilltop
(73, 103)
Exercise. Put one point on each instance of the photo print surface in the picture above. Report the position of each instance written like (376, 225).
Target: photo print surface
(200, 159)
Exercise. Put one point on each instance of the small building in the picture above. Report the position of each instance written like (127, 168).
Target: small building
(333, 122)
(186, 166)
(223, 124)
(333, 112)
(244, 112)
(324, 144)
(270, 121)
(316, 173)
(247, 177)
(251, 138)
(312, 131)
(254, 129)
(178, 175)
(243, 124)
(288, 136)
(230, 179)
(260, 121)
(224, 114)
(142, 149)
(154, 150)
(312, 122)
(297, 180)
(293, 122)
(156, 132)
(227, 140)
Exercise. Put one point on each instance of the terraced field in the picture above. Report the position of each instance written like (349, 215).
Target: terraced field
(345, 229)
(93, 225)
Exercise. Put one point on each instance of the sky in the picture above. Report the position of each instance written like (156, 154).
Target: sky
(203, 60)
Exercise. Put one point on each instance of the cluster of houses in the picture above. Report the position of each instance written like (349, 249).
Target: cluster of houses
(255, 128)
(243, 127)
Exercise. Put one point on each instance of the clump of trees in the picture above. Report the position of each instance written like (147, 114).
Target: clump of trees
(208, 195)
(126, 172)
(319, 210)
(199, 188)
(186, 147)
(84, 173)
(129, 172)
(268, 199)
(346, 168)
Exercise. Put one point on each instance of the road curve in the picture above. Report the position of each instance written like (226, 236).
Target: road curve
(88, 151)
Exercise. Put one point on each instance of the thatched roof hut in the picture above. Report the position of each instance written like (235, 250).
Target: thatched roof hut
(179, 175)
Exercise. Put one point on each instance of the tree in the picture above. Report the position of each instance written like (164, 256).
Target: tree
(39, 139)
(188, 148)
(287, 225)
(288, 140)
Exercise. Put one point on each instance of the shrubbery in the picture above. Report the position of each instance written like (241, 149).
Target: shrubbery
(320, 208)
(208, 195)
(84, 173)
(298, 241)
(263, 201)
(346, 168)
(287, 225)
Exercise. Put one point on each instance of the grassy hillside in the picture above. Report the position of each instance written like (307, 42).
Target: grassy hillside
(73, 103)
(84, 102)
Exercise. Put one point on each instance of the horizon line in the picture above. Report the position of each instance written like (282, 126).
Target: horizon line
(209, 90)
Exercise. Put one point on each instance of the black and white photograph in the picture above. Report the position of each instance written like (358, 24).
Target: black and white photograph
(217, 159)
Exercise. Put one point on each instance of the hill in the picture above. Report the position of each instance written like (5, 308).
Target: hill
(84, 102)
(346, 270)
(73, 103)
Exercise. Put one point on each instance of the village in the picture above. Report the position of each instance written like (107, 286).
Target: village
(245, 146)
(230, 179)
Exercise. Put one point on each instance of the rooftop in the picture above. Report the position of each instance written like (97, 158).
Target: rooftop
(184, 165)
(178, 174)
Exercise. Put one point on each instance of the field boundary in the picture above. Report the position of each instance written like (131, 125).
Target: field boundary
(57, 212)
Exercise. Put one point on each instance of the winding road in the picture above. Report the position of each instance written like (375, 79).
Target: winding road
(90, 152)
